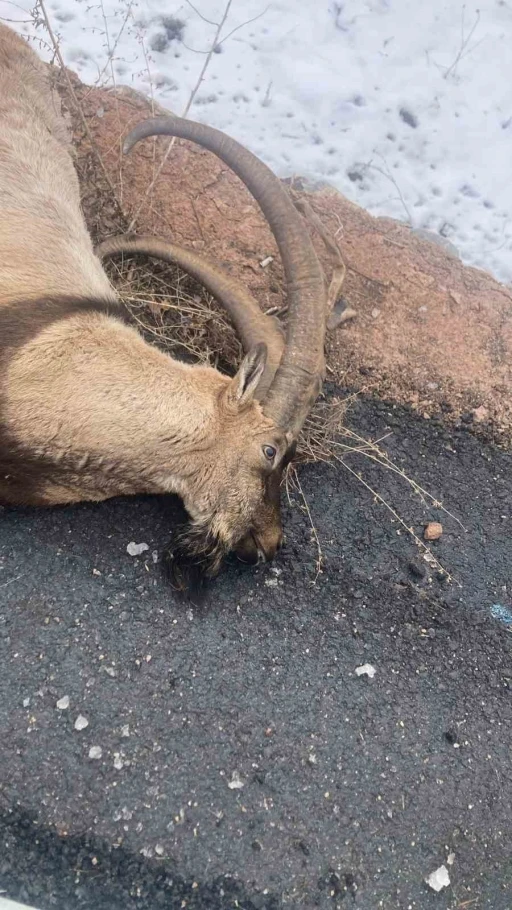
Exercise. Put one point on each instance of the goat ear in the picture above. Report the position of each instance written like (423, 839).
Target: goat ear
(244, 384)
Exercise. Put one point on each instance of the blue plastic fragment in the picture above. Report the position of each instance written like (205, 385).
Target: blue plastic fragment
(502, 614)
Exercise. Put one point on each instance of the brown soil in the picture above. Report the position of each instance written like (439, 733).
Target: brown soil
(429, 332)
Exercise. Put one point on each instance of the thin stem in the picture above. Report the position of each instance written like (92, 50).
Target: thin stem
(184, 114)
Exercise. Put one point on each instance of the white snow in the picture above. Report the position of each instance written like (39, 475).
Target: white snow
(405, 107)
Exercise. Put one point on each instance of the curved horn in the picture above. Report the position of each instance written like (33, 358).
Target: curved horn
(299, 377)
(252, 326)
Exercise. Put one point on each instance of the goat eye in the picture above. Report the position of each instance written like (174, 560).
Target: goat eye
(269, 452)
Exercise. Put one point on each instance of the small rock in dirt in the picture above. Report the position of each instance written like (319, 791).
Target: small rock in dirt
(236, 782)
(125, 730)
(366, 670)
(433, 530)
(26, 702)
(81, 722)
(118, 761)
(95, 752)
(450, 859)
(439, 879)
(63, 703)
(480, 414)
(159, 850)
(135, 549)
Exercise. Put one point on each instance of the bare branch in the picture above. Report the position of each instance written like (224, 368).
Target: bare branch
(387, 173)
(464, 43)
(243, 24)
(184, 114)
(55, 44)
(209, 21)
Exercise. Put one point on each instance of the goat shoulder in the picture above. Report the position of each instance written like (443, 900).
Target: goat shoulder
(43, 237)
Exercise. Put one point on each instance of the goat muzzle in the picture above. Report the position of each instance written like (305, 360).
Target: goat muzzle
(255, 548)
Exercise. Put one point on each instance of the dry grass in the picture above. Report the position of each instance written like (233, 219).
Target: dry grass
(174, 312)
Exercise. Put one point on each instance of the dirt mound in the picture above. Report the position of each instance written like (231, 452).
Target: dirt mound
(429, 332)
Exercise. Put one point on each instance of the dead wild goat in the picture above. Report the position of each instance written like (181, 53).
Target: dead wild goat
(89, 410)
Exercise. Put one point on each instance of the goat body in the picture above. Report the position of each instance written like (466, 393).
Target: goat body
(88, 409)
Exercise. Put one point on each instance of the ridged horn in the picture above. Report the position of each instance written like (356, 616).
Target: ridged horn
(298, 379)
(251, 325)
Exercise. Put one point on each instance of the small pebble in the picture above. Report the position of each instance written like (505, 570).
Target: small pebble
(236, 783)
(81, 722)
(366, 670)
(439, 879)
(480, 414)
(95, 752)
(433, 530)
(135, 549)
(63, 703)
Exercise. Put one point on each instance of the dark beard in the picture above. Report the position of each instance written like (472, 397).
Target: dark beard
(191, 560)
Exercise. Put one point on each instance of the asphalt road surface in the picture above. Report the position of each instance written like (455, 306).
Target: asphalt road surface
(158, 755)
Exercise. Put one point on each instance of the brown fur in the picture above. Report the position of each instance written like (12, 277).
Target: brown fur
(88, 409)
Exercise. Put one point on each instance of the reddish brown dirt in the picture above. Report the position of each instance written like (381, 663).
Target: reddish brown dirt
(430, 332)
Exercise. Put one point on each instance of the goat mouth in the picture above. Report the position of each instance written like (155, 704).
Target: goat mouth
(250, 552)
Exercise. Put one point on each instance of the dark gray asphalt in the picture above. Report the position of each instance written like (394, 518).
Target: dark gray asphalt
(352, 789)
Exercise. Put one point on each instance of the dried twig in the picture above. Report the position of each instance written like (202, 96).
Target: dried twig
(209, 21)
(387, 173)
(292, 475)
(110, 62)
(431, 559)
(464, 43)
(55, 44)
(184, 114)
